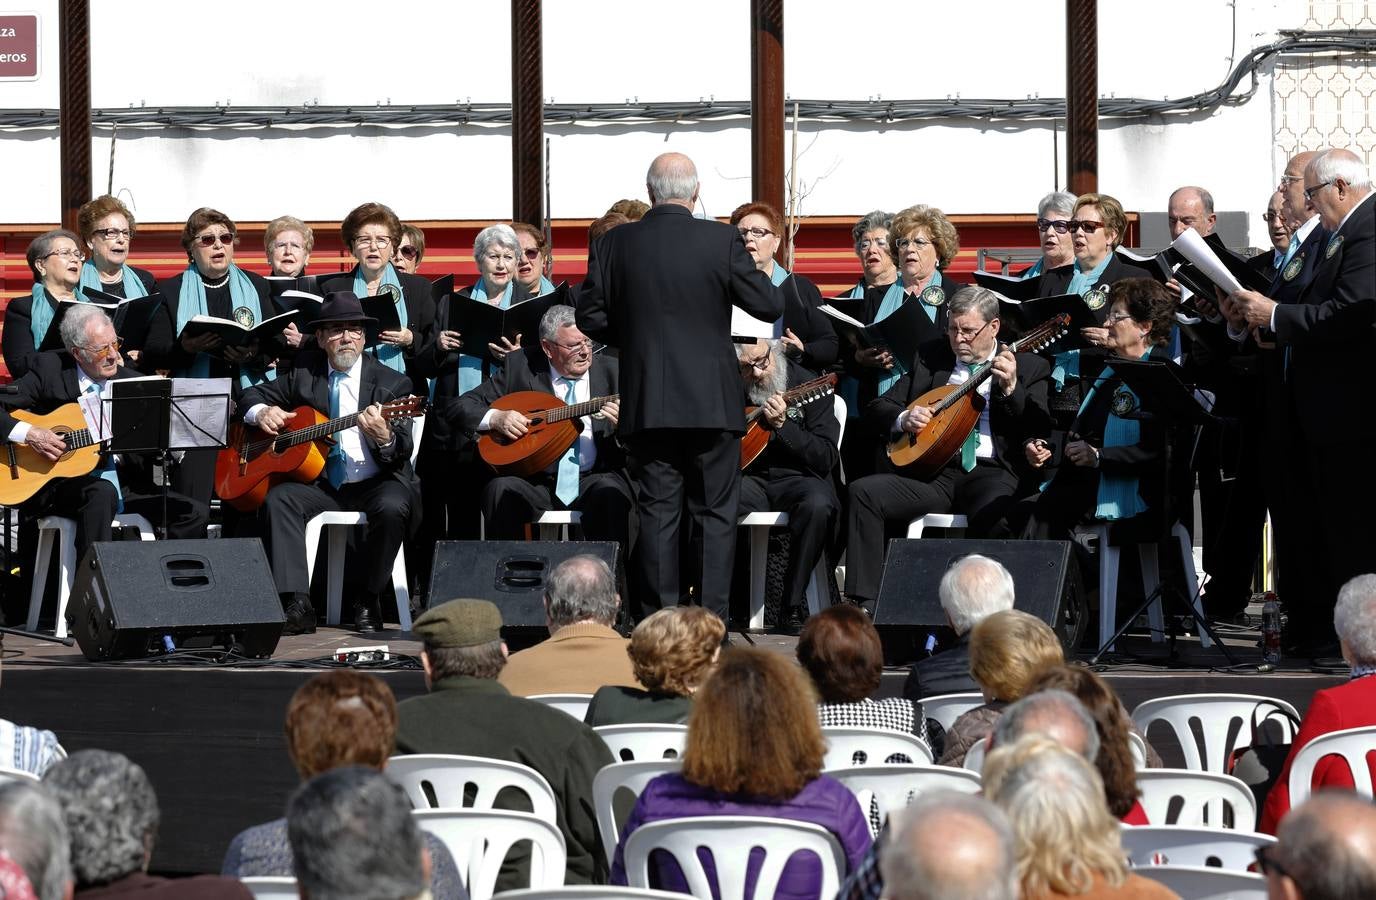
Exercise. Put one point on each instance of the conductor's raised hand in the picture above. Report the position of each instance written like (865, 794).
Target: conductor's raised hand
(511, 424)
(271, 419)
(371, 421)
(48, 443)
(1005, 369)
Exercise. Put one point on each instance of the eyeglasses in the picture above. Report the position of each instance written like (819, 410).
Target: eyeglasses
(210, 240)
(1266, 864)
(531, 253)
(755, 233)
(408, 252)
(1286, 179)
(1115, 318)
(1060, 226)
(919, 243)
(867, 243)
(338, 331)
(758, 364)
(575, 347)
(110, 349)
(1086, 227)
(67, 253)
(288, 245)
(966, 334)
(364, 240)
(1270, 216)
(111, 234)
(1310, 192)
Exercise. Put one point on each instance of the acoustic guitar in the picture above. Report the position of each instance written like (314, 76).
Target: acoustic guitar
(757, 437)
(27, 470)
(553, 427)
(956, 409)
(254, 461)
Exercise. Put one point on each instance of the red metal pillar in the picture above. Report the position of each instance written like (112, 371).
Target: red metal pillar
(527, 114)
(767, 102)
(74, 117)
(1081, 96)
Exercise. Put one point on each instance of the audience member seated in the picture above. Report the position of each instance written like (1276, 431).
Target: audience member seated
(754, 749)
(973, 588)
(112, 817)
(28, 749)
(33, 835)
(1350, 705)
(352, 835)
(467, 712)
(337, 718)
(947, 845)
(1325, 850)
(1053, 714)
(584, 652)
(672, 652)
(1007, 651)
(1068, 842)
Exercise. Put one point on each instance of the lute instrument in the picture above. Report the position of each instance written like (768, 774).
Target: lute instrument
(956, 409)
(552, 428)
(757, 437)
(27, 470)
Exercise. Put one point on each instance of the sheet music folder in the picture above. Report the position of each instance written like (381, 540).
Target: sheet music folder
(153, 414)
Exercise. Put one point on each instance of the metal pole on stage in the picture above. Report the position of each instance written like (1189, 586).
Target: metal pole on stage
(767, 102)
(74, 117)
(527, 114)
(1082, 96)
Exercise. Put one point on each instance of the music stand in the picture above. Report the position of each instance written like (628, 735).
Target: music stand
(1163, 391)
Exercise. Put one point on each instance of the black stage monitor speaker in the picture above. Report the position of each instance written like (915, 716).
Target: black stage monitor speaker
(511, 574)
(131, 596)
(1045, 583)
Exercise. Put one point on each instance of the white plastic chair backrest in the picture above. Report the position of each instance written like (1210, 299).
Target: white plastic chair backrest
(974, 757)
(448, 777)
(729, 840)
(640, 742)
(944, 709)
(1215, 715)
(480, 839)
(619, 785)
(271, 887)
(1198, 883)
(1203, 796)
(590, 892)
(1352, 744)
(1176, 845)
(8, 775)
(894, 787)
(575, 705)
(1138, 748)
(875, 746)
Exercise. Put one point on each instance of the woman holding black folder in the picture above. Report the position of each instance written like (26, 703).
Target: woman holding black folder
(107, 227)
(55, 260)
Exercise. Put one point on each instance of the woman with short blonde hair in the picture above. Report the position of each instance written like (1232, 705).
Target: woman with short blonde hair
(672, 652)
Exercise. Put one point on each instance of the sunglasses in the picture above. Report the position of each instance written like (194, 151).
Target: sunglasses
(1060, 226)
(407, 251)
(532, 252)
(210, 240)
(1086, 227)
(110, 349)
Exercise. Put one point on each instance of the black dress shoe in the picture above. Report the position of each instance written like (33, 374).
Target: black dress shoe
(367, 617)
(300, 619)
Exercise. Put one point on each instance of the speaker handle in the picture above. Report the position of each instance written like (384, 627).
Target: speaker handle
(520, 573)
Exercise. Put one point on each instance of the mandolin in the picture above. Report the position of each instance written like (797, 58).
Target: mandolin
(254, 461)
(757, 437)
(552, 430)
(27, 470)
(956, 409)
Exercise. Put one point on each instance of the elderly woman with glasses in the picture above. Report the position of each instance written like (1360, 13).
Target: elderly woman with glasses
(288, 242)
(55, 259)
(532, 262)
(410, 251)
(1053, 229)
(107, 227)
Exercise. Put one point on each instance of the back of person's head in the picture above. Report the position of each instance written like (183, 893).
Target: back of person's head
(1055, 714)
(974, 588)
(461, 638)
(33, 834)
(111, 814)
(754, 729)
(672, 650)
(950, 846)
(1010, 648)
(603, 224)
(840, 648)
(1055, 801)
(353, 837)
(633, 210)
(1354, 618)
(1326, 848)
(581, 589)
(341, 718)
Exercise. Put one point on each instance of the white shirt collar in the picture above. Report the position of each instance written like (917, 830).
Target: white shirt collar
(1302, 233)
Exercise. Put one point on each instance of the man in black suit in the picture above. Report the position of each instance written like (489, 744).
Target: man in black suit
(590, 477)
(1329, 334)
(89, 363)
(368, 469)
(661, 290)
(973, 588)
(985, 477)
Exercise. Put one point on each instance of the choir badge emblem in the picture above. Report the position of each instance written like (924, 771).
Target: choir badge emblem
(933, 295)
(1096, 298)
(1333, 246)
(390, 291)
(1293, 268)
(1123, 402)
(244, 316)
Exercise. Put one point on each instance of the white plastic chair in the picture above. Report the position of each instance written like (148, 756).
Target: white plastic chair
(63, 531)
(974, 757)
(1138, 748)
(643, 742)
(338, 523)
(554, 524)
(610, 787)
(1352, 744)
(875, 745)
(575, 705)
(1203, 796)
(730, 840)
(1175, 845)
(1198, 883)
(1215, 714)
(480, 839)
(1109, 558)
(818, 586)
(589, 892)
(894, 787)
(944, 709)
(936, 520)
(448, 777)
(271, 887)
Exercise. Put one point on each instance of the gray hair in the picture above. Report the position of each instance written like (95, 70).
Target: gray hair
(75, 321)
(1354, 618)
(33, 834)
(111, 813)
(1321, 844)
(1048, 712)
(981, 300)
(481, 661)
(1344, 164)
(581, 588)
(672, 176)
(1206, 199)
(555, 317)
(1057, 201)
(869, 222)
(929, 854)
(41, 247)
(974, 588)
(353, 837)
(498, 235)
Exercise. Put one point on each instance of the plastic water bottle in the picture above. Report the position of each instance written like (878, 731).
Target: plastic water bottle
(1270, 629)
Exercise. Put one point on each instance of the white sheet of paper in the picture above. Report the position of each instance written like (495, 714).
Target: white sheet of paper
(97, 415)
(744, 324)
(200, 413)
(1193, 248)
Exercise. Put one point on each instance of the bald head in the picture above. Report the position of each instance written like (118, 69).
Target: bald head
(672, 179)
(947, 845)
(1190, 207)
(1327, 848)
(1055, 713)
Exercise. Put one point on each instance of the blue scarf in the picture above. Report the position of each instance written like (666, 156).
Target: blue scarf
(893, 299)
(191, 302)
(546, 286)
(780, 275)
(1034, 271)
(1119, 497)
(133, 287)
(390, 355)
(1082, 281)
(41, 314)
(471, 367)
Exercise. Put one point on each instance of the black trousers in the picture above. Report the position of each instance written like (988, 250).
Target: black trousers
(510, 503)
(812, 509)
(881, 506)
(91, 501)
(678, 470)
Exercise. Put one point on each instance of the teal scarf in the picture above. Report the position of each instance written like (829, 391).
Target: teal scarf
(41, 314)
(1119, 496)
(471, 367)
(546, 286)
(133, 287)
(893, 299)
(1082, 281)
(390, 355)
(780, 275)
(1034, 271)
(191, 302)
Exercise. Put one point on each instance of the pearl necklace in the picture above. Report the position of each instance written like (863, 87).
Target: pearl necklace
(221, 283)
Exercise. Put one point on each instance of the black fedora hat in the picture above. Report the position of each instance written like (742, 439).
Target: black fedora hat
(341, 306)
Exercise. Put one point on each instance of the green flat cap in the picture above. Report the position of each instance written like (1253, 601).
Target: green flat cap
(460, 623)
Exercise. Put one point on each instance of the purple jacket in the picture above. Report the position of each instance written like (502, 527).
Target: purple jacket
(824, 801)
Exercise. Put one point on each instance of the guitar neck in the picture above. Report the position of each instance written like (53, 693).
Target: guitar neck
(319, 431)
(579, 410)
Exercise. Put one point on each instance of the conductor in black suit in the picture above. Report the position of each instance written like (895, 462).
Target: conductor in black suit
(368, 470)
(661, 290)
(590, 477)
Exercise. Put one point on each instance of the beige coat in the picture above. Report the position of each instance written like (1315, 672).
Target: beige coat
(577, 659)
